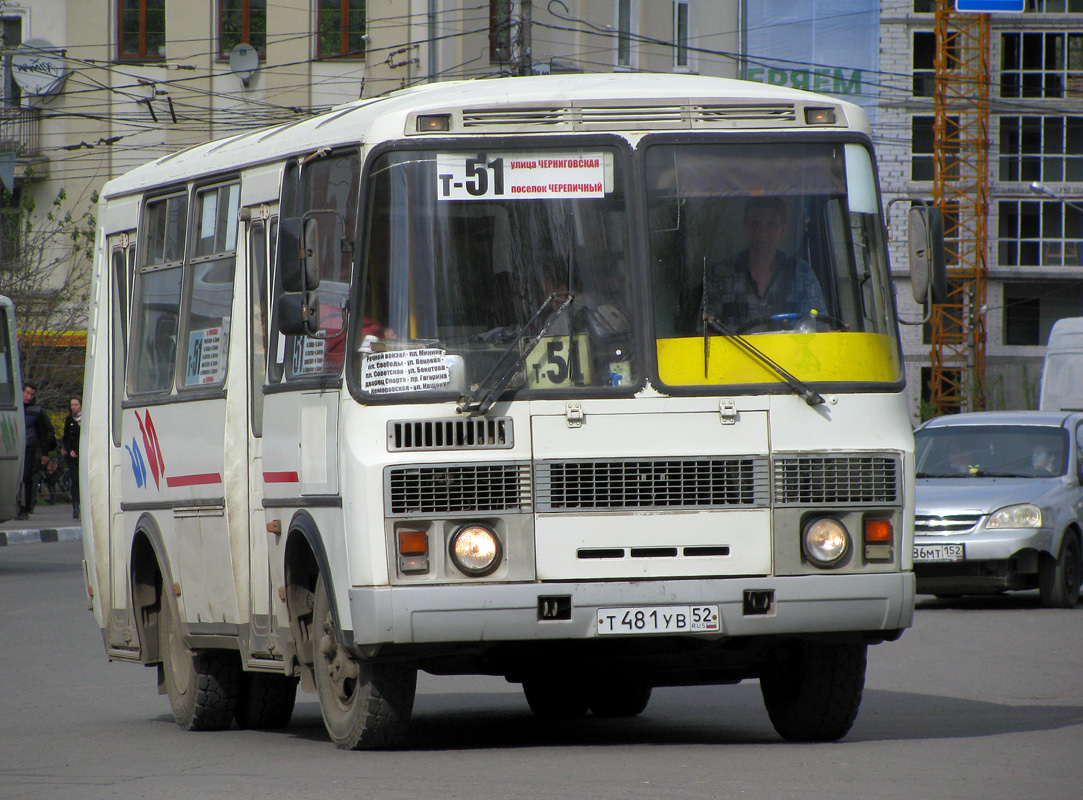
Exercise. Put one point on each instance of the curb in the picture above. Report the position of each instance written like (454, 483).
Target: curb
(42, 536)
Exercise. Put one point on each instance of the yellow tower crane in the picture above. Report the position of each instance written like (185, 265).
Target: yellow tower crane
(961, 192)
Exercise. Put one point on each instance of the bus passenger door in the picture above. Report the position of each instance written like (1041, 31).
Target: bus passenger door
(12, 419)
(262, 233)
(120, 630)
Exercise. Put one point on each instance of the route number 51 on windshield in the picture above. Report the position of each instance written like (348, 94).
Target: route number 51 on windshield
(519, 176)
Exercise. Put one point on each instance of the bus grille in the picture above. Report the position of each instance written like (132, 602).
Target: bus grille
(836, 480)
(651, 483)
(647, 114)
(458, 488)
(450, 434)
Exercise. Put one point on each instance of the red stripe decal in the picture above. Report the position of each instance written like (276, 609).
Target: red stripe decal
(281, 477)
(194, 480)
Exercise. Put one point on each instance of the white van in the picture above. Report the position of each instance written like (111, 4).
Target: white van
(1062, 373)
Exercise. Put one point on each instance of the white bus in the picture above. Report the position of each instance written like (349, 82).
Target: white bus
(460, 380)
(12, 418)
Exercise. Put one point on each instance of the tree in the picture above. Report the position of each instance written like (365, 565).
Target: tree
(45, 262)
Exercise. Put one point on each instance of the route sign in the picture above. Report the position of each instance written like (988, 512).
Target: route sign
(990, 6)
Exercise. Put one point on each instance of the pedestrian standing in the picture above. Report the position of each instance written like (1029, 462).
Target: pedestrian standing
(70, 448)
(40, 441)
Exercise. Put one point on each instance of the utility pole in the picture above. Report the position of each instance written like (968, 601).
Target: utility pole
(526, 21)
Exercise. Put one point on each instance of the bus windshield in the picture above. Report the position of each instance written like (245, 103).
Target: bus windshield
(477, 261)
(774, 242)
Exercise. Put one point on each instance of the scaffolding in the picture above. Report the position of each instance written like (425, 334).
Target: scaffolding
(961, 191)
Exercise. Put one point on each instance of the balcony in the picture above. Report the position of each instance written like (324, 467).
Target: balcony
(20, 131)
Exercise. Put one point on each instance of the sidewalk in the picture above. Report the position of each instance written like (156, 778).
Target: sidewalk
(48, 523)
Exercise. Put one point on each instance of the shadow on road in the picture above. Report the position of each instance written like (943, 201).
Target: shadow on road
(729, 715)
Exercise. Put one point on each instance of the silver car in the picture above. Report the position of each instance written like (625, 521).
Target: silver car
(1000, 504)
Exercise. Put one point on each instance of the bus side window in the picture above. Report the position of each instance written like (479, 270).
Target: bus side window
(210, 285)
(120, 262)
(257, 266)
(157, 292)
(7, 387)
(328, 194)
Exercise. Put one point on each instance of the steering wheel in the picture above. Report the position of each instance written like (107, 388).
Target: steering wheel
(789, 321)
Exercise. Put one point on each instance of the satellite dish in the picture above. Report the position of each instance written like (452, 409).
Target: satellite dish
(243, 61)
(38, 67)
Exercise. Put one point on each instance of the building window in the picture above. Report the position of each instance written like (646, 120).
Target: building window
(924, 63)
(242, 22)
(922, 135)
(625, 31)
(924, 6)
(1054, 6)
(500, 31)
(141, 29)
(681, 12)
(341, 28)
(10, 93)
(1041, 64)
(1040, 233)
(1031, 308)
(1044, 149)
(922, 145)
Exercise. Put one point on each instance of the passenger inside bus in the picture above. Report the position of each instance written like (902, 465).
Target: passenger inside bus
(761, 281)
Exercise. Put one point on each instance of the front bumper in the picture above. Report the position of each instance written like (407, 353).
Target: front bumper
(994, 545)
(806, 604)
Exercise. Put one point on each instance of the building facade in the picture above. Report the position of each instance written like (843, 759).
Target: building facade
(1034, 248)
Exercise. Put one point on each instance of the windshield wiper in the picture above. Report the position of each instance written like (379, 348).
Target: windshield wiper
(799, 388)
(476, 404)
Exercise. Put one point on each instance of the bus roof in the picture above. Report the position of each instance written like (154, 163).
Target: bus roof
(581, 103)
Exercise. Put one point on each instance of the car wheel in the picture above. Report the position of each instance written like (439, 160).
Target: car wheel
(1059, 579)
(813, 693)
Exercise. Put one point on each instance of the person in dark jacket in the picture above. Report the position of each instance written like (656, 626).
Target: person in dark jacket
(69, 445)
(40, 441)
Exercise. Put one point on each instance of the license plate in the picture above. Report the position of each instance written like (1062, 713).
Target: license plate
(659, 619)
(939, 552)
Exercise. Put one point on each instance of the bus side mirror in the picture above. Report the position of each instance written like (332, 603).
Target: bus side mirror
(298, 253)
(298, 314)
(928, 280)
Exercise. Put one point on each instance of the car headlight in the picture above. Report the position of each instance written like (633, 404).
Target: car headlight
(1024, 515)
(825, 541)
(475, 550)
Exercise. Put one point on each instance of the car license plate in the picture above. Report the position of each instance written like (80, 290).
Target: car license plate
(939, 552)
(659, 619)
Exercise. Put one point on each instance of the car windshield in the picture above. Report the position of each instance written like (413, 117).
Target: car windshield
(991, 451)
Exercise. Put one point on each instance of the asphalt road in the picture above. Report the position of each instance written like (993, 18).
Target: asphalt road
(983, 698)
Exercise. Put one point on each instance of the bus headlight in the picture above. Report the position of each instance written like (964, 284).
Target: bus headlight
(475, 550)
(1024, 515)
(825, 541)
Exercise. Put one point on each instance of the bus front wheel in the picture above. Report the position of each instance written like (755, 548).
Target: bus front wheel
(813, 691)
(365, 705)
(202, 687)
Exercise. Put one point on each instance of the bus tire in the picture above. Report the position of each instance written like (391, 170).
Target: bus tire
(265, 700)
(365, 705)
(202, 687)
(813, 694)
(556, 699)
(1059, 578)
(619, 699)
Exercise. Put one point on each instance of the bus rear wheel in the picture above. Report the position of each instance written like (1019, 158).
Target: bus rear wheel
(365, 705)
(813, 692)
(202, 687)
(265, 701)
